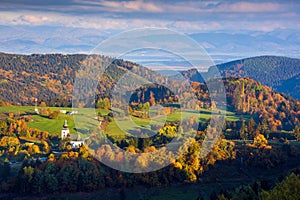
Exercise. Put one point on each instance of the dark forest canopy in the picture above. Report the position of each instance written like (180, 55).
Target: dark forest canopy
(280, 73)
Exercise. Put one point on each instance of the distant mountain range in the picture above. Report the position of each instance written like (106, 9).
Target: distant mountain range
(221, 46)
(280, 73)
(224, 47)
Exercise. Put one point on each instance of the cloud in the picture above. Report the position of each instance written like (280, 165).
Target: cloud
(196, 26)
(129, 6)
(32, 19)
(252, 7)
(153, 8)
(235, 23)
(188, 16)
(189, 6)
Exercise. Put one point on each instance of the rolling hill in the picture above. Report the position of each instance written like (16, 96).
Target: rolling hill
(50, 78)
(280, 73)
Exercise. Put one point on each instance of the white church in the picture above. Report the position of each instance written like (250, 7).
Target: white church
(76, 140)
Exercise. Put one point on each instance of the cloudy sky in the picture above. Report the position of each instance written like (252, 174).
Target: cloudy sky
(227, 29)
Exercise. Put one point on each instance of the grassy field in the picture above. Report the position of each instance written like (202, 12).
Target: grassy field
(53, 126)
(41, 122)
(16, 109)
(203, 115)
(122, 126)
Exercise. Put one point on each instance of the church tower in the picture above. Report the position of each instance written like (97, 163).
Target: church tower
(65, 131)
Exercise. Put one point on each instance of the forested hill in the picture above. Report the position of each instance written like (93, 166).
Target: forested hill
(280, 73)
(48, 77)
(25, 77)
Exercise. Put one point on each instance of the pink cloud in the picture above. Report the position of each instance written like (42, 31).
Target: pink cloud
(32, 19)
(252, 7)
(137, 5)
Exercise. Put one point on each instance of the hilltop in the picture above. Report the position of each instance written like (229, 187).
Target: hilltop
(280, 73)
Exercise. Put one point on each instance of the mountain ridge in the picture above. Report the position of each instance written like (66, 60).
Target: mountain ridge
(279, 72)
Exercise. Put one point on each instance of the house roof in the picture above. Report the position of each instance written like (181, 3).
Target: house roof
(75, 137)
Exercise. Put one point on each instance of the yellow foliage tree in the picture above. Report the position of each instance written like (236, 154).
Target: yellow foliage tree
(260, 141)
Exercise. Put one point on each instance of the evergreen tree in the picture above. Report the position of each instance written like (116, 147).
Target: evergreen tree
(251, 128)
(243, 133)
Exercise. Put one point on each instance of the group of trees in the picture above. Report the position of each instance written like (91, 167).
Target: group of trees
(68, 173)
(271, 110)
(288, 188)
(103, 103)
(48, 112)
(77, 170)
(250, 131)
(18, 128)
(12, 131)
(261, 155)
(3, 103)
(248, 96)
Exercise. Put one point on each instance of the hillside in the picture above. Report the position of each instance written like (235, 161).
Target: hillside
(50, 78)
(24, 77)
(253, 142)
(280, 73)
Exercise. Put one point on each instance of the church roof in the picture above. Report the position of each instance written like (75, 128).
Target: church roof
(75, 137)
(65, 124)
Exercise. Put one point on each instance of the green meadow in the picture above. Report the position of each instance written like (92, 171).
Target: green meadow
(117, 127)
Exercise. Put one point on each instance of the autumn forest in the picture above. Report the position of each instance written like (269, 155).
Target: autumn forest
(255, 153)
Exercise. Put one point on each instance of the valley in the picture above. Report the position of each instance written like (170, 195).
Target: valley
(258, 138)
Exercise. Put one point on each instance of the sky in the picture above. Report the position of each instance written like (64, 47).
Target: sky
(227, 29)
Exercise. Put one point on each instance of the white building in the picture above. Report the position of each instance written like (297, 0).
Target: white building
(75, 141)
(65, 131)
